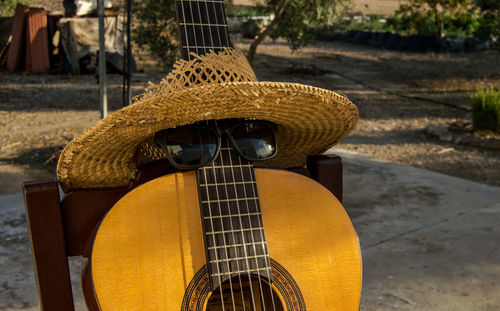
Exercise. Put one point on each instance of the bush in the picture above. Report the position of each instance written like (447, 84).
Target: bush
(373, 23)
(157, 29)
(231, 13)
(486, 110)
(8, 7)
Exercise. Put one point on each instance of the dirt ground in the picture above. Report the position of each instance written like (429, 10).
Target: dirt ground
(398, 95)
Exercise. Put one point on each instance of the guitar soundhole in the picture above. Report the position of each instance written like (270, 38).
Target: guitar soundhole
(240, 294)
(285, 293)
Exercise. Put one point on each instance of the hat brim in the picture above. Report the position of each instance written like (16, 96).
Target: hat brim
(310, 120)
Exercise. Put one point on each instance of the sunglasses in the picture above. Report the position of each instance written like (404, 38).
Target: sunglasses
(197, 145)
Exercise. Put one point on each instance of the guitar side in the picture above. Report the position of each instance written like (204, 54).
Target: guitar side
(150, 245)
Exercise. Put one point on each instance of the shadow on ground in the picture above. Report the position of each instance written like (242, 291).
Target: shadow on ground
(44, 158)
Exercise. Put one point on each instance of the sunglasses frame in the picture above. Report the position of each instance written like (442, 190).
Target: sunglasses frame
(221, 127)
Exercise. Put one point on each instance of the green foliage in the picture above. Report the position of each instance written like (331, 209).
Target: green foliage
(436, 18)
(372, 23)
(454, 18)
(490, 19)
(8, 7)
(231, 13)
(296, 18)
(157, 29)
(429, 24)
(486, 110)
(489, 27)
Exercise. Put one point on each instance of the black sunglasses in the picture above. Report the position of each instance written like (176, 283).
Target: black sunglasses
(197, 145)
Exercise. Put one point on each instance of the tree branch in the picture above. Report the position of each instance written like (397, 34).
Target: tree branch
(269, 28)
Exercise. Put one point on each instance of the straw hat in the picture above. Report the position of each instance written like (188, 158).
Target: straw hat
(310, 120)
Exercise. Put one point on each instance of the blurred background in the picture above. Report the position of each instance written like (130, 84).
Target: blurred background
(425, 75)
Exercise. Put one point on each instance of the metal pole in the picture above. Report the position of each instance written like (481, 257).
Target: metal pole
(103, 98)
(124, 64)
(129, 52)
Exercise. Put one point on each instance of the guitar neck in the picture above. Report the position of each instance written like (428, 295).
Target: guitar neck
(203, 26)
(232, 221)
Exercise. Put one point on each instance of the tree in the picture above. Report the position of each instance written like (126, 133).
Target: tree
(490, 23)
(157, 23)
(8, 7)
(429, 17)
(157, 29)
(293, 20)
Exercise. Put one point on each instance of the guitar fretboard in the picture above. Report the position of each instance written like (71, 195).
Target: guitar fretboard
(232, 221)
(202, 26)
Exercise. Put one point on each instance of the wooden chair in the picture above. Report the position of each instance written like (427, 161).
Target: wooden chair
(65, 227)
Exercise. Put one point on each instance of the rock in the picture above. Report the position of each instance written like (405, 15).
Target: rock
(460, 136)
(448, 137)
(477, 44)
(454, 44)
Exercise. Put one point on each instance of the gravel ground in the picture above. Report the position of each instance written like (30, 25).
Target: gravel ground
(398, 95)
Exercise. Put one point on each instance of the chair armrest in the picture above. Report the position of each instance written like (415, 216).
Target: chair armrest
(327, 170)
(43, 213)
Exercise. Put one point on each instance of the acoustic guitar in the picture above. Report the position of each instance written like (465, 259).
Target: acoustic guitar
(225, 236)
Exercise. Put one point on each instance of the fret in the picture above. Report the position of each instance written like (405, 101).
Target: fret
(234, 231)
(202, 27)
(229, 175)
(226, 166)
(227, 190)
(240, 264)
(231, 252)
(233, 208)
(268, 269)
(239, 258)
(228, 216)
(202, 24)
(237, 245)
(229, 200)
(200, 12)
(237, 237)
(218, 222)
(231, 216)
(229, 183)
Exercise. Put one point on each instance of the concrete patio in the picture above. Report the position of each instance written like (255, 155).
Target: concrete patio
(429, 241)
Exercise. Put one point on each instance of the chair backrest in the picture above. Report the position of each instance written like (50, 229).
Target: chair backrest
(63, 228)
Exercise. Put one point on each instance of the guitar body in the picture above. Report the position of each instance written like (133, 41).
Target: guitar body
(149, 251)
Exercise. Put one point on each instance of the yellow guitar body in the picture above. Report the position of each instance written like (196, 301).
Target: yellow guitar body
(150, 248)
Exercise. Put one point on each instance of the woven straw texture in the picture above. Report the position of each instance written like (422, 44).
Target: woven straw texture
(209, 87)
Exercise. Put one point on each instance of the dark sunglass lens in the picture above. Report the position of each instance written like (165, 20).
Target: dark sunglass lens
(189, 147)
(254, 140)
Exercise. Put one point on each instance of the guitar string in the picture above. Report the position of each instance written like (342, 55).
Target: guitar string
(211, 220)
(211, 37)
(245, 255)
(185, 30)
(194, 29)
(216, 22)
(214, 171)
(222, 158)
(201, 28)
(224, 20)
(215, 176)
(205, 176)
(250, 168)
(261, 292)
(262, 234)
(213, 235)
(226, 34)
